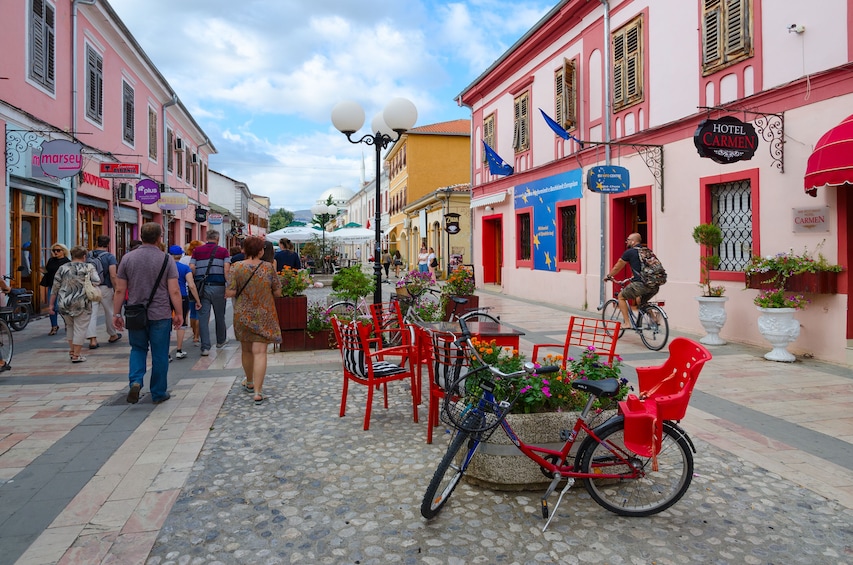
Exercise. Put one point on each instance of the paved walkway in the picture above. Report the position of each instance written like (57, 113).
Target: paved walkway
(209, 477)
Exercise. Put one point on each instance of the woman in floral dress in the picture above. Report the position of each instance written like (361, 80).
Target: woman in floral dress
(254, 284)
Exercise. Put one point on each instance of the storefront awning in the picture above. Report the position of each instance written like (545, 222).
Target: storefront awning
(831, 162)
(83, 200)
(488, 199)
(127, 215)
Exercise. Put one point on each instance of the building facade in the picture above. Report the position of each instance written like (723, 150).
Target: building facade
(97, 142)
(634, 80)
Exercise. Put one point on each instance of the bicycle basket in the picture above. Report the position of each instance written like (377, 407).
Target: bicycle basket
(466, 408)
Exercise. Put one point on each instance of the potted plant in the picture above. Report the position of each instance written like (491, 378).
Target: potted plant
(777, 323)
(712, 303)
(790, 271)
(318, 330)
(539, 412)
(292, 306)
(351, 284)
(414, 283)
(459, 283)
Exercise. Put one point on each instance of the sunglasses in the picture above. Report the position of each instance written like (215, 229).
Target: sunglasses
(56, 251)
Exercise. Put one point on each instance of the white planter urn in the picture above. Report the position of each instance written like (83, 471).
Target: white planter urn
(779, 327)
(712, 316)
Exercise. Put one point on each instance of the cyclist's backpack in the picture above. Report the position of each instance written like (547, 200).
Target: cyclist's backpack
(652, 271)
(96, 262)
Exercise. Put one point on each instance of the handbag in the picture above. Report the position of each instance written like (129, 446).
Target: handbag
(136, 315)
(93, 293)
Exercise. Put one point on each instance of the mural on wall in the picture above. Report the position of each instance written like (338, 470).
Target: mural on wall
(542, 196)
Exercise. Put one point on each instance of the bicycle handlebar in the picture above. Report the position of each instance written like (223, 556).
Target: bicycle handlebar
(529, 368)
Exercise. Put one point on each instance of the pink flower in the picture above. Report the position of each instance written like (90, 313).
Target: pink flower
(546, 391)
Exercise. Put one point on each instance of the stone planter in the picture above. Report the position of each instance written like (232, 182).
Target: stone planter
(712, 316)
(292, 312)
(499, 465)
(472, 304)
(779, 327)
(822, 282)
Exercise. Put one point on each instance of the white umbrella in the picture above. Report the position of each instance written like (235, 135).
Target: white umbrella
(352, 235)
(296, 234)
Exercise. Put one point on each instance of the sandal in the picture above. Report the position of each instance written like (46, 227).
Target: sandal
(78, 359)
(259, 398)
(248, 386)
(53, 330)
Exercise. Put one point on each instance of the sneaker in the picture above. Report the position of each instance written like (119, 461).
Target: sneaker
(133, 395)
(196, 343)
(205, 352)
(221, 345)
(170, 358)
(180, 354)
(162, 400)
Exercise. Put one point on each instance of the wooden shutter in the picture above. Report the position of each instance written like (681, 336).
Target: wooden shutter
(516, 126)
(94, 85)
(152, 133)
(524, 121)
(488, 133)
(170, 144)
(737, 27)
(127, 109)
(570, 119)
(633, 63)
(619, 69)
(711, 32)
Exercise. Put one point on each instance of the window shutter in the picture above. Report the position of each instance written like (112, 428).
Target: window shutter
(37, 48)
(711, 33)
(127, 105)
(570, 120)
(488, 133)
(525, 122)
(619, 69)
(50, 46)
(560, 94)
(516, 133)
(737, 32)
(170, 144)
(152, 133)
(633, 66)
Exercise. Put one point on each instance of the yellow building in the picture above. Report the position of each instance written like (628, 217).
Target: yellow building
(423, 160)
(428, 218)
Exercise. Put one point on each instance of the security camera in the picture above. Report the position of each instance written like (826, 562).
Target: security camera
(796, 28)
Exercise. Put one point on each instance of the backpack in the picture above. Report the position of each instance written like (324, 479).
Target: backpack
(99, 266)
(651, 271)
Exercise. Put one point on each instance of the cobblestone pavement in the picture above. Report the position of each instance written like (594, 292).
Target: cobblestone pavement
(291, 482)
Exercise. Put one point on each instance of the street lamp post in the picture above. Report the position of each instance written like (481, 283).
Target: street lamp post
(398, 116)
(325, 213)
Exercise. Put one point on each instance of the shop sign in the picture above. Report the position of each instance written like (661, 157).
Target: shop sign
(148, 191)
(89, 178)
(173, 200)
(726, 140)
(120, 170)
(811, 219)
(200, 214)
(214, 219)
(608, 179)
(451, 220)
(60, 158)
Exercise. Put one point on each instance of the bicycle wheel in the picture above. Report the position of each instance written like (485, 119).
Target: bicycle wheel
(6, 343)
(653, 491)
(479, 317)
(448, 474)
(612, 312)
(19, 318)
(654, 327)
(345, 309)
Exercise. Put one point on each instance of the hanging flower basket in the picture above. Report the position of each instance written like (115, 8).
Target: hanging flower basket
(821, 282)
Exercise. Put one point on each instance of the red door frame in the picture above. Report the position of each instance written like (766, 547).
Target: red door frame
(492, 255)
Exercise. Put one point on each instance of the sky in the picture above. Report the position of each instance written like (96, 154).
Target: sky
(261, 76)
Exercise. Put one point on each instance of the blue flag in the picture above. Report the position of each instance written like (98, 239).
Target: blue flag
(496, 164)
(558, 129)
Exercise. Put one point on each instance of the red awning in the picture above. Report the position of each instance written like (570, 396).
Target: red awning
(831, 162)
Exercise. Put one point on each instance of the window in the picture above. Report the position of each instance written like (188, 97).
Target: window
(489, 132)
(521, 129)
(170, 153)
(127, 112)
(43, 44)
(565, 95)
(726, 33)
(94, 86)
(628, 65)
(152, 133)
(567, 222)
(731, 211)
(525, 248)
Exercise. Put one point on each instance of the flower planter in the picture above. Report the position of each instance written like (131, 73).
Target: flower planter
(779, 327)
(292, 340)
(472, 304)
(822, 282)
(499, 465)
(712, 316)
(319, 340)
(292, 312)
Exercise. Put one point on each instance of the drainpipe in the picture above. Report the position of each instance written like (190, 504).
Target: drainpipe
(607, 117)
(71, 193)
(166, 150)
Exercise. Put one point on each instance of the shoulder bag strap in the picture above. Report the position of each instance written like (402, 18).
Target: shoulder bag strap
(159, 278)
(255, 270)
(210, 260)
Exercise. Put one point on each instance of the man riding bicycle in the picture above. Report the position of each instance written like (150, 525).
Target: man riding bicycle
(637, 289)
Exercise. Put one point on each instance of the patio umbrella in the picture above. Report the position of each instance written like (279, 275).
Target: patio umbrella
(352, 235)
(831, 162)
(296, 234)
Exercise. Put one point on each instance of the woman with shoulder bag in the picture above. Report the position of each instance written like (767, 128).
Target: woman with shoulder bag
(59, 256)
(254, 284)
(69, 297)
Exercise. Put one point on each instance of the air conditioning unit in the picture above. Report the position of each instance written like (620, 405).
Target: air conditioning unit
(125, 192)
(179, 144)
(194, 158)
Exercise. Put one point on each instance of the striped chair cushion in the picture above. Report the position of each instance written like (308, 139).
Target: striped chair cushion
(354, 357)
(451, 362)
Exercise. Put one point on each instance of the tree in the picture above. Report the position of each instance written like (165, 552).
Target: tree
(280, 218)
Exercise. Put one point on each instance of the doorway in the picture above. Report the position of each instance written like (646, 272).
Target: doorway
(629, 214)
(492, 249)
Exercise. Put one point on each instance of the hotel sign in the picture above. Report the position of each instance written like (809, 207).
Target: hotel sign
(120, 170)
(811, 219)
(726, 140)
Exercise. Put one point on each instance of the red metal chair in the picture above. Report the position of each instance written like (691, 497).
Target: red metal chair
(388, 325)
(368, 367)
(587, 332)
(449, 362)
(664, 395)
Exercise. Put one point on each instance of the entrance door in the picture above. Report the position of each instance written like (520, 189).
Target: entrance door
(492, 249)
(629, 215)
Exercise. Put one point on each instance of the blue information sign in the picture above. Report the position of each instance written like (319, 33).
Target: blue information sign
(609, 179)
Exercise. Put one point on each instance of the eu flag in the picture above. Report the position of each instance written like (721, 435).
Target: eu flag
(558, 129)
(497, 166)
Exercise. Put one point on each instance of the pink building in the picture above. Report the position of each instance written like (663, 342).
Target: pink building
(72, 73)
(644, 75)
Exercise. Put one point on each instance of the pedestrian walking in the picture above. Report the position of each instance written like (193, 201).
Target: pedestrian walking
(386, 263)
(194, 306)
(69, 298)
(186, 285)
(59, 256)
(254, 284)
(432, 261)
(150, 278)
(398, 262)
(210, 265)
(286, 256)
(109, 267)
(423, 260)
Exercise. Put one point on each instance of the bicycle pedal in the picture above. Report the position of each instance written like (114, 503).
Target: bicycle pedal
(544, 509)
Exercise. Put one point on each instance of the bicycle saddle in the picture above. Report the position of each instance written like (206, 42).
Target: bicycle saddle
(604, 388)
(459, 299)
